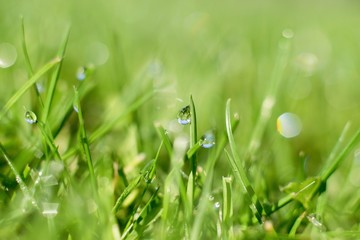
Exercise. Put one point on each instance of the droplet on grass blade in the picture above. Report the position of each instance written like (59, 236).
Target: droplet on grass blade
(211, 198)
(30, 117)
(83, 72)
(8, 55)
(208, 140)
(288, 125)
(217, 205)
(184, 115)
(288, 33)
(313, 219)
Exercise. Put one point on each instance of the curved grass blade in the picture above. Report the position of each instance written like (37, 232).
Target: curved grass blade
(27, 85)
(239, 171)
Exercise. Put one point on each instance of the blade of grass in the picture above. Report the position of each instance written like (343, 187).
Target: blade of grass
(227, 212)
(29, 67)
(333, 163)
(134, 183)
(193, 140)
(165, 138)
(209, 179)
(85, 143)
(54, 79)
(15, 97)
(239, 171)
(103, 129)
(270, 99)
(18, 178)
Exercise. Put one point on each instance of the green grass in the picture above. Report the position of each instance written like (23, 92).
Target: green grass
(103, 156)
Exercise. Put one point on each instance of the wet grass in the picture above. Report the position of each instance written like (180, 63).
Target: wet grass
(122, 127)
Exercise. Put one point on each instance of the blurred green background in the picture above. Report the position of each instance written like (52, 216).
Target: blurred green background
(213, 50)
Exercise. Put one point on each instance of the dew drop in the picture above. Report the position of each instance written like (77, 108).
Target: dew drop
(30, 117)
(50, 210)
(76, 108)
(184, 115)
(288, 125)
(312, 218)
(288, 33)
(217, 205)
(82, 73)
(211, 198)
(208, 140)
(8, 55)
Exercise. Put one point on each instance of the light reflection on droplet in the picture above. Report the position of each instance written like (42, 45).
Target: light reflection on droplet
(208, 140)
(8, 55)
(184, 115)
(50, 210)
(211, 198)
(217, 205)
(289, 125)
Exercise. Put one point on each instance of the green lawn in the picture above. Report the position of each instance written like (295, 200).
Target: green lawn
(179, 120)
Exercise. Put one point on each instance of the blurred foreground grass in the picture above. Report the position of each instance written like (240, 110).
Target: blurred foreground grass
(142, 61)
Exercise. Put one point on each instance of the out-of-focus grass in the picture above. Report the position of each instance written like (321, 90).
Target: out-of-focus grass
(145, 59)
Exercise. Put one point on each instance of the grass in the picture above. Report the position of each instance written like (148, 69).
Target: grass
(102, 155)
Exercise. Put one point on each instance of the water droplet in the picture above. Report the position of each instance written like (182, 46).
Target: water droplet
(211, 198)
(50, 210)
(208, 140)
(30, 117)
(82, 73)
(8, 55)
(289, 125)
(217, 205)
(18, 179)
(184, 115)
(155, 68)
(40, 87)
(76, 108)
(288, 33)
(312, 218)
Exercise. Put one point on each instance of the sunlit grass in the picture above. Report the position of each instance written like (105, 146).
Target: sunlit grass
(121, 125)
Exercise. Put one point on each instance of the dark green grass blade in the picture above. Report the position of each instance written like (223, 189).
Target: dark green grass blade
(27, 85)
(239, 171)
(19, 180)
(54, 79)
